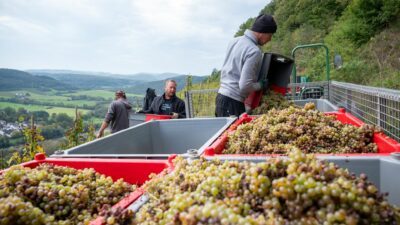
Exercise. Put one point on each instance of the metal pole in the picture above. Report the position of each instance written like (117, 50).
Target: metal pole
(316, 45)
(187, 104)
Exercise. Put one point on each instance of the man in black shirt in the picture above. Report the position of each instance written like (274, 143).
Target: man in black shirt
(168, 103)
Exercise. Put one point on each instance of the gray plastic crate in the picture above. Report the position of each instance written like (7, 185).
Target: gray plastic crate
(154, 139)
(136, 118)
(381, 170)
(322, 105)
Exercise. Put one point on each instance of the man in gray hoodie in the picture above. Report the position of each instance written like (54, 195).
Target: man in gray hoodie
(241, 66)
(117, 115)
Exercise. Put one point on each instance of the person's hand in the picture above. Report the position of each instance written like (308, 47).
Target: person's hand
(100, 134)
(175, 115)
(248, 109)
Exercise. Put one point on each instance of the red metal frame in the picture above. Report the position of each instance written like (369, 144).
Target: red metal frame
(385, 144)
(157, 117)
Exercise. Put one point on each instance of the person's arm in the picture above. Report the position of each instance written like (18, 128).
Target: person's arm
(248, 77)
(104, 125)
(145, 106)
(109, 116)
(180, 110)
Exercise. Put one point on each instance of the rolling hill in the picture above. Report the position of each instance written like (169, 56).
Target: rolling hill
(99, 80)
(159, 85)
(11, 79)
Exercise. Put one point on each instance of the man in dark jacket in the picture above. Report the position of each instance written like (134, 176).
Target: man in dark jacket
(168, 103)
(117, 115)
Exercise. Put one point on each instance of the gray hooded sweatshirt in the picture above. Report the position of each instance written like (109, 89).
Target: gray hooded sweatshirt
(241, 66)
(118, 115)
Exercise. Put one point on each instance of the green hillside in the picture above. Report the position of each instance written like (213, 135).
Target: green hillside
(15, 79)
(159, 85)
(365, 33)
(84, 81)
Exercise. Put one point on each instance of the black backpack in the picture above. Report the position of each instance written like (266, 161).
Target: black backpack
(148, 99)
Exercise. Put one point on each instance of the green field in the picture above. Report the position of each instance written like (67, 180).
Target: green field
(49, 97)
(7, 94)
(39, 96)
(100, 93)
(49, 109)
(53, 97)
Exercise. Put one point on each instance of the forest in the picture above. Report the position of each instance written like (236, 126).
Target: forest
(363, 32)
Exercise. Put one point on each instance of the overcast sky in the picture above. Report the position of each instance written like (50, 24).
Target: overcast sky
(120, 36)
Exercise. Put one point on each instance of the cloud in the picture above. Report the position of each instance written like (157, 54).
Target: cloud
(22, 27)
(123, 36)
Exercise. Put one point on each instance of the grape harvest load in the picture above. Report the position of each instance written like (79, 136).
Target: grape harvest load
(299, 189)
(56, 195)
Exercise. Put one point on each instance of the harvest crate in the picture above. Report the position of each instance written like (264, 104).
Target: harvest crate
(380, 170)
(133, 171)
(385, 144)
(154, 139)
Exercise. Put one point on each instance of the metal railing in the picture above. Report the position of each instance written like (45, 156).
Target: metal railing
(200, 103)
(376, 106)
(312, 90)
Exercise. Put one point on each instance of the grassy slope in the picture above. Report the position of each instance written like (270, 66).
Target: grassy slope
(49, 109)
(52, 97)
(99, 93)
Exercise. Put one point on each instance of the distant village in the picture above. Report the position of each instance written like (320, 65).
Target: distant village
(7, 129)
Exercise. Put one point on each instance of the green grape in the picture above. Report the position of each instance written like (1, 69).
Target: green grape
(299, 189)
(270, 100)
(51, 194)
(280, 131)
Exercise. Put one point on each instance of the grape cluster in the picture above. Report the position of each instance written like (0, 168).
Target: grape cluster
(272, 100)
(52, 194)
(114, 216)
(296, 190)
(279, 131)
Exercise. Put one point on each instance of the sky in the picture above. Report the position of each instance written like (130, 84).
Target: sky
(120, 36)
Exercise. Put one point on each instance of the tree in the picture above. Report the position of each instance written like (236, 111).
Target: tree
(91, 132)
(52, 131)
(63, 120)
(42, 116)
(74, 134)
(189, 82)
(4, 142)
(10, 115)
(77, 134)
(32, 138)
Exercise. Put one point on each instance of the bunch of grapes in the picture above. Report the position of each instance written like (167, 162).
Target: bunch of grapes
(272, 100)
(115, 216)
(56, 195)
(279, 131)
(14, 210)
(296, 190)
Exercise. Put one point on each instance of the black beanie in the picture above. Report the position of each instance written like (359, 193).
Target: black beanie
(264, 24)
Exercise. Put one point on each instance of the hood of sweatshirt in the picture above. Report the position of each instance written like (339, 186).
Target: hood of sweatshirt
(126, 103)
